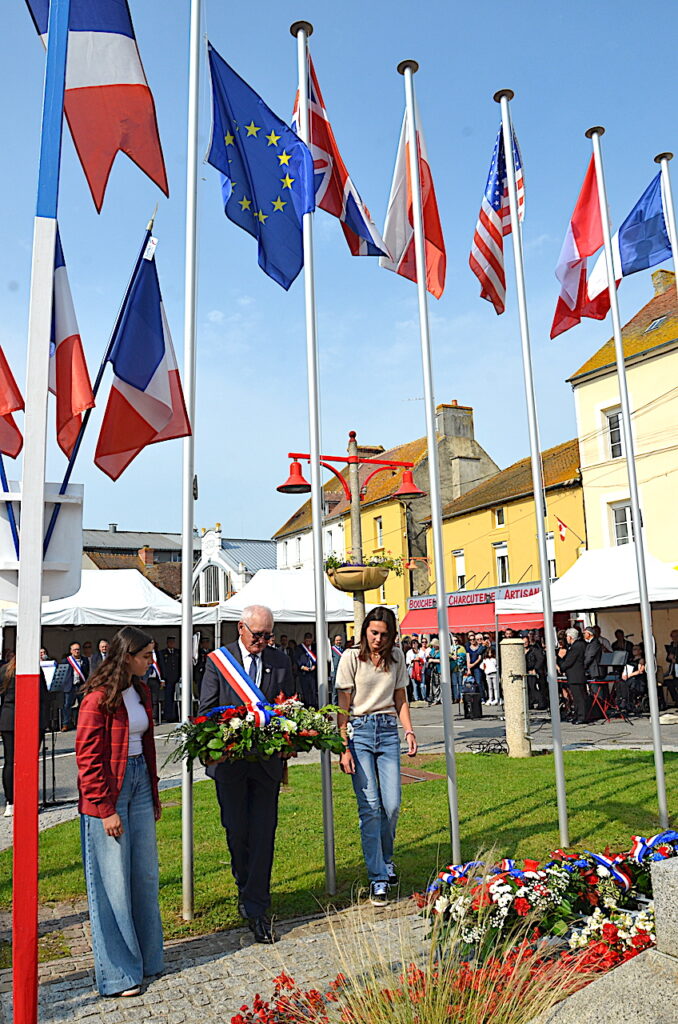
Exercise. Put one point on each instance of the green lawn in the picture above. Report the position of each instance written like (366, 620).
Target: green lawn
(505, 804)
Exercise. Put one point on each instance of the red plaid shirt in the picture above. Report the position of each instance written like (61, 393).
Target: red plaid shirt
(101, 746)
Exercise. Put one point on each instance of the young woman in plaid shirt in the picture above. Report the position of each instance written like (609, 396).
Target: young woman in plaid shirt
(119, 806)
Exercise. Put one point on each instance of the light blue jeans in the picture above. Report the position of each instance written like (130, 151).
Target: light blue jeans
(375, 746)
(122, 887)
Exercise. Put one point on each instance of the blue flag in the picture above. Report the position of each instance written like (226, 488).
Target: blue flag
(266, 171)
(641, 242)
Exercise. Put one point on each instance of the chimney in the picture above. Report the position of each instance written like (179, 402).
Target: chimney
(663, 280)
(112, 527)
(454, 420)
(145, 555)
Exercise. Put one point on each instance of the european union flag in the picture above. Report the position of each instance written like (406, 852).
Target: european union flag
(267, 171)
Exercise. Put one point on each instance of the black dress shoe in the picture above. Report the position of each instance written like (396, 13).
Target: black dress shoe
(242, 911)
(262, 929)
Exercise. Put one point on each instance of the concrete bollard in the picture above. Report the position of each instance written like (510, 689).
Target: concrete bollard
(514, 685)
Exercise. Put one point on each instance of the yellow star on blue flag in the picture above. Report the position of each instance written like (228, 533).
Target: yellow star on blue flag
(248, 140)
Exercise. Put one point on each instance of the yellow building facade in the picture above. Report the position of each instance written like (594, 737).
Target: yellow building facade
(489, 533)
(650, 342)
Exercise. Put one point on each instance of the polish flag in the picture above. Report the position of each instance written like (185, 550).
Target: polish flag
(584, 237)
(108, 103)
(399, 230)
(146, 402)
(11, 401)
(562, 528)
(68, 375)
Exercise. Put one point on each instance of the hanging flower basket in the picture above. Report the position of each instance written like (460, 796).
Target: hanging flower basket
(358, 577)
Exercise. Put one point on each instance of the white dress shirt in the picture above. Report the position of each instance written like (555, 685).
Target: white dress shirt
(246, 658)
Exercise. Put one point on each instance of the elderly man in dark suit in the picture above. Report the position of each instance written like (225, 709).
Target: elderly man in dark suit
(571, 662)
(248, 790)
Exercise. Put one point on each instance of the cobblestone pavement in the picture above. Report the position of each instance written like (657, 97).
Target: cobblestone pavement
(207, 979)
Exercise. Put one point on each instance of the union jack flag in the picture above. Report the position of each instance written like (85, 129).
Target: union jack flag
(494, 221)
(334, 191)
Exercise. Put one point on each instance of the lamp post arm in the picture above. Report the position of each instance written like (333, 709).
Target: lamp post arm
(340, 478)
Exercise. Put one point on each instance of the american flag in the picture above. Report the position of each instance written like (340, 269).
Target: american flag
(494, 221)
(334, 191)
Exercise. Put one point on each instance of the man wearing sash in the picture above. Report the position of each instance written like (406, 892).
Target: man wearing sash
(248, 791)
(307, 665)
(77, 671)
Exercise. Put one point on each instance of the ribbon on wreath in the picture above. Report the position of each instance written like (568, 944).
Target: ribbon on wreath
(642, 847)
(612, 865)
(249, 693)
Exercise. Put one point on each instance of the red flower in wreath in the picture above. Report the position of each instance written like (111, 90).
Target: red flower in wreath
(610, 932)
(200, 719)
(521, 906)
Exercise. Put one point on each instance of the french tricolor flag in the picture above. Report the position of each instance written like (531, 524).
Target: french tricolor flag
(146, 403)
(11, 401)
(108, 103)
(68, 375)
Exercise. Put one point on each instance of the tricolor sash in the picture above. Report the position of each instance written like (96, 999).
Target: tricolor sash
(310, 654)
(620, 877)
(76, 668)
(337, 650)
(247, 690)
(642, 847)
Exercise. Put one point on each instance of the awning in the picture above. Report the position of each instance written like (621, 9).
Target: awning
(462, 618)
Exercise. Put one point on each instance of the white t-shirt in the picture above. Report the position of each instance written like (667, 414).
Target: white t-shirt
(373, 689)
(489, 665)
(138, 720)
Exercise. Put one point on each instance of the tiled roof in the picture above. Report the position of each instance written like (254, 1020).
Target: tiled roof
(254, 554)
(380, 488)
(132, 540)
(560, 468)
(637, 338)
(166, 576)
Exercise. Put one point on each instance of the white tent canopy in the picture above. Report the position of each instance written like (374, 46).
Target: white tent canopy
(605, 578)
(114, 597)
(289, 593)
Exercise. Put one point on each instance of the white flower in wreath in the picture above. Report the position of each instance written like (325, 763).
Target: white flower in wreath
(250, 717)
(441, 904)
(235, 723)
(602, 872)
(288, 725)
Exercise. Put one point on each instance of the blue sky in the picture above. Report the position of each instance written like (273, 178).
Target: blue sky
(571, 66)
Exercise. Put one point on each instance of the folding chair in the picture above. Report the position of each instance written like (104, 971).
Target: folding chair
(604, 700)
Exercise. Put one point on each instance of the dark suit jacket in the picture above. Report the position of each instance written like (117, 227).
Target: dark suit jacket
(71, 683)
(169, 663)
(276, 677)
(573, 663)
(592, 655)
(95, 661)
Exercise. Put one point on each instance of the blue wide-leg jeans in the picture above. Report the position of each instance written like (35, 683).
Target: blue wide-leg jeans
(122, 887)
(375, 746)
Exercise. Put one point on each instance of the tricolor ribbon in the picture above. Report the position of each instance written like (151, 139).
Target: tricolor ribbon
(456, 871)
(247, 690)
(76, 668)
(620, 877)
(310, 654)
(641, 847)
(337, 650)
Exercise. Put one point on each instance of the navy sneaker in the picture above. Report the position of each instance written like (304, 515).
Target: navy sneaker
(391, 873)
(379, 894)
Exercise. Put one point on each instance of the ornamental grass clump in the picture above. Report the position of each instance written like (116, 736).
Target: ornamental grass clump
(391, 975)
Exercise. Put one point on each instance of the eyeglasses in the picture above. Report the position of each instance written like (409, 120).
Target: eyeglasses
(260, 634)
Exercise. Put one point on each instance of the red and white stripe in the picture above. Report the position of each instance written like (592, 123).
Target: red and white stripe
(68, 374)
(11, 401)
(241, 683)
(398, 230)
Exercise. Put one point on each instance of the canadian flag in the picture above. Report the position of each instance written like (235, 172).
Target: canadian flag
(399, 229)
(584, 237)
(562, 528)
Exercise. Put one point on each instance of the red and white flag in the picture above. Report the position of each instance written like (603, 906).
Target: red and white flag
(11, 401)
(562, 528)
(584, 237)
(399, 230)
(68, 374)
(108, 103)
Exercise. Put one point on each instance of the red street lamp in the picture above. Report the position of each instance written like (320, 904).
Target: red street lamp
(295, 483)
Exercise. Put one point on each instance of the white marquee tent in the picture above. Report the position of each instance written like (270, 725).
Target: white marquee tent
(114, 597)
(605, 578)
(289, 593)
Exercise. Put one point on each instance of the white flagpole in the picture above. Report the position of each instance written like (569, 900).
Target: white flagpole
(407, 68)
(29, 598)
(502, 98)
(301, 30)
(594, 135)
(188, 497)
(663, 160)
